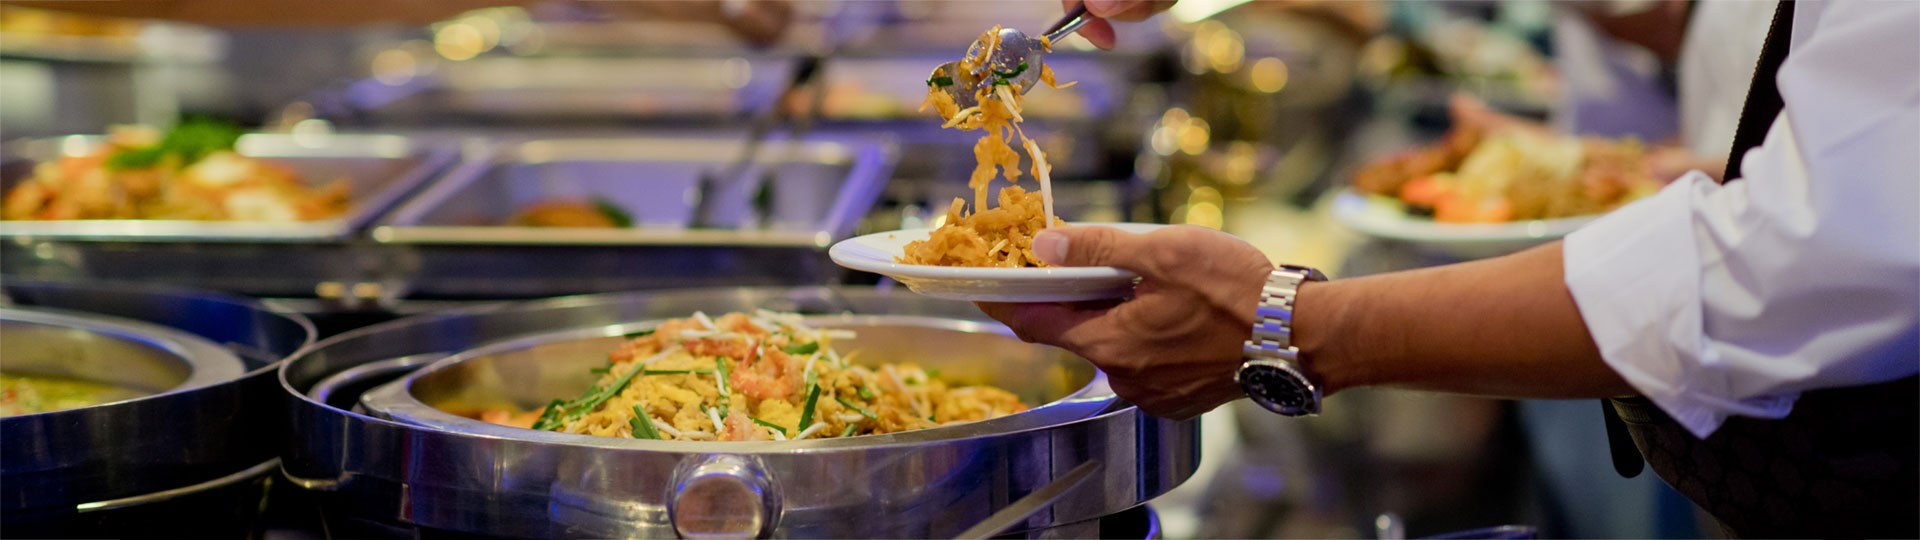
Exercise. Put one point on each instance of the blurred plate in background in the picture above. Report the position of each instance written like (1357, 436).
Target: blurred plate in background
(1389, 221)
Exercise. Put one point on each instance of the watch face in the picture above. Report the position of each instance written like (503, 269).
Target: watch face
(1280, 390)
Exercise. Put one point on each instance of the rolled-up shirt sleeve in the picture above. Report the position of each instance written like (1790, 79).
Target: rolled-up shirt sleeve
(1718, 300)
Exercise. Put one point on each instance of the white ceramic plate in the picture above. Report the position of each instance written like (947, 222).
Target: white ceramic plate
(1389, 221)
(876, 252)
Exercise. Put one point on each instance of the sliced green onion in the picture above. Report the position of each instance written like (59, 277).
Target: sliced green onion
(849, 431)
(642, 425)
(1022, 68)
(549, 416)
(857, 408)
(803, 348)
(641, 334)
(596, 396)
(940, 81)
(602, 370)
(721, 374)
(806, 411)
(866, 393)
(933, 373)
(783, 430)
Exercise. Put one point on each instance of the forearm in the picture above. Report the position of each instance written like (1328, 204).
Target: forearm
(1504, 327)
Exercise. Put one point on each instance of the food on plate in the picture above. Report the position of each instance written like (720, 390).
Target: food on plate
(1000, 236)
(29, 394)
(190, 173)
(592, 213)
(764, 376)
(1483, 176)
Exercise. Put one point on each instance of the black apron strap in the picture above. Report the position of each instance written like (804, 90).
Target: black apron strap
(1626, 456)
(1763, 95)
(1756, 115)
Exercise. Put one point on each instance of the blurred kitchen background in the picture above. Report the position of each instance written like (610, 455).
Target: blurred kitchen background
(1244, 116)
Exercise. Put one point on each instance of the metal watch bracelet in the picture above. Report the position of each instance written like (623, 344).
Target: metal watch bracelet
(1273, 317)
(1270, 371)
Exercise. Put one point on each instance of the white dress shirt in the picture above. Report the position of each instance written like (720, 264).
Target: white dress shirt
(1717, 300)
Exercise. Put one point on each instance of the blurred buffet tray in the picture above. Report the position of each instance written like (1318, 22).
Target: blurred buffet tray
(797, 194)
(447, 240)
(381, 170)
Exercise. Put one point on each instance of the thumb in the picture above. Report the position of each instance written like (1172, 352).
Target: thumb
(1088, 245)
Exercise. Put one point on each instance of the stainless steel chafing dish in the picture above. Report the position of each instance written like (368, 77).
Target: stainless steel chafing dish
(1051, 471)
(815, 192)
(382, 169)
(690, 231)
(131, 466)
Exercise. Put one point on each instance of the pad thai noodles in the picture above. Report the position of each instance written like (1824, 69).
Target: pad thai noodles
(764, 376)
(1003, 235)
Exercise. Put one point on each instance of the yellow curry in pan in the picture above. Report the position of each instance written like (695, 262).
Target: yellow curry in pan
(29, 394)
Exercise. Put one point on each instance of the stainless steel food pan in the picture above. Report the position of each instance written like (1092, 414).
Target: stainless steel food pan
(208, 425)
(382, 169)
(1082, 456)
(817, 194)
(120, 353)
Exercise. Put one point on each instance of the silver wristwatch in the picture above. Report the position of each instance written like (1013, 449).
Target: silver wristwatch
(1270, 372)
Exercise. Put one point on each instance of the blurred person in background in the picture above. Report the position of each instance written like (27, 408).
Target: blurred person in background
(1769, 327)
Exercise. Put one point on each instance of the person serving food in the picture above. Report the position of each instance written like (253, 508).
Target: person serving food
(1775, 316)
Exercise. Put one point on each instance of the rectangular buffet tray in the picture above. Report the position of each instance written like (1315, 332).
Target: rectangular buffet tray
(382, 170)
(671, 186)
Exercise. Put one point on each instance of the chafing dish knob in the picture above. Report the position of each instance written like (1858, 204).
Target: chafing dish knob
(723, 496)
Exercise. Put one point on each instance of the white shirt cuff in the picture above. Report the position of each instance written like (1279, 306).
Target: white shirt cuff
(1635, 275)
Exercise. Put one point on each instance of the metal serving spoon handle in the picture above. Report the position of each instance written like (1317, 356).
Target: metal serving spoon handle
(1016, 50)
(1068, 24)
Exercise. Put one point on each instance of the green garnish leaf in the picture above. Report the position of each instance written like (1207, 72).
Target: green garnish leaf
(857, 408)
(806, 411)
(613, 211)
(803, 348)
(865, 393)
(642, 425)
(190, 140)
(135, 158)
(783, 429)
(940, 81)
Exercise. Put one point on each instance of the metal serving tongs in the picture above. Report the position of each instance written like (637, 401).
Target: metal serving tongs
(1016, 50)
